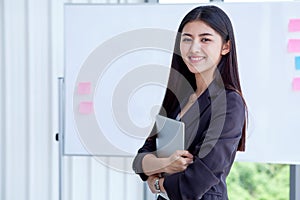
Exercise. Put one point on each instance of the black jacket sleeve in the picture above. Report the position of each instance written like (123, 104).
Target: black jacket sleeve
(148, 147)
(216, 153)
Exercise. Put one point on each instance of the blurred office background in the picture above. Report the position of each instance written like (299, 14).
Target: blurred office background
(31, 60)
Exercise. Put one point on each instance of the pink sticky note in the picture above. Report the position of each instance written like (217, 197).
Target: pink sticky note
(84, 88)
(86, 107)
(294, 25)
(294, 46)
(296, 84)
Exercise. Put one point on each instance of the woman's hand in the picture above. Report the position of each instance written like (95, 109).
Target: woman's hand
(178, 161)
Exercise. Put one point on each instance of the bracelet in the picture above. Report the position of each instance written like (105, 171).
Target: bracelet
(156, 185)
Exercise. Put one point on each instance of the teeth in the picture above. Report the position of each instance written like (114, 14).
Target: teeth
(196, 58)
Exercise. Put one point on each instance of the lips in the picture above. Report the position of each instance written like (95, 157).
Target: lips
(196, 59)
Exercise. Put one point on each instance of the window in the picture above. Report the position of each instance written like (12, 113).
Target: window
(183, 1)
(207, 1)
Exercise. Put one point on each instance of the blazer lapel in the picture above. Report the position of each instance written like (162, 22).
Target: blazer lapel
(193, 116)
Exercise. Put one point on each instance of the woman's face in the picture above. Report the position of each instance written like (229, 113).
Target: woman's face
(201, 48)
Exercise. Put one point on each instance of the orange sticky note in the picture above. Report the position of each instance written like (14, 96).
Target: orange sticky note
(296, 84)
(294, 25)
(84, 88)
(86, 107)
(294, 46)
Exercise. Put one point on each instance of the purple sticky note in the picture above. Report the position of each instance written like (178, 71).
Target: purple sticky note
(86, 107)
(296, 84)
(294, 46)
(294, 25)
(84, 88)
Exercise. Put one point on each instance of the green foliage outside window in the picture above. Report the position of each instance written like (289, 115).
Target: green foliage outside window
(256, 181)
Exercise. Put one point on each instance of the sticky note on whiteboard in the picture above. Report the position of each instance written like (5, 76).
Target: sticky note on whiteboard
(296, 84)
(297, 62)
(84, 88)
(294, 46)
(294, 25)
(86, 107)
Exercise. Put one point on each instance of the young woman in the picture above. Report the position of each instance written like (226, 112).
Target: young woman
(204, 92)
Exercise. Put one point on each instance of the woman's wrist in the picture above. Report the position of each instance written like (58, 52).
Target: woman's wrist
(165, 165)
(153, 165)
(161, 185)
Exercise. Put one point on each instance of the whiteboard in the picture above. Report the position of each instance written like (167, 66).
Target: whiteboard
(116, 67)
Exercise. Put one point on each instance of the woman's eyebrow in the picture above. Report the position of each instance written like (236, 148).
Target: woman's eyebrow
(186, 34)
(200, 35)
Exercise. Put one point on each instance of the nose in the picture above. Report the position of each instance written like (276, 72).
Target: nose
(195, 47)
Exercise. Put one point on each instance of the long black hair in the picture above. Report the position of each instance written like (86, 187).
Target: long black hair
(182, 82)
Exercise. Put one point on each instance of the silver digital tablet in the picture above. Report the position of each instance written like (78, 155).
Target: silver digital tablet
(170, 136)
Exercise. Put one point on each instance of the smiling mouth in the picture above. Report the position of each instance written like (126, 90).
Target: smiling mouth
(196, 59)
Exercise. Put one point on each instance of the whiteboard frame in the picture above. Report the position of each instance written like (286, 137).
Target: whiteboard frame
(221, 5)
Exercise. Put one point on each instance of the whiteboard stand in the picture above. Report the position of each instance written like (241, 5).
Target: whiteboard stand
(294, 182)
(59, 137)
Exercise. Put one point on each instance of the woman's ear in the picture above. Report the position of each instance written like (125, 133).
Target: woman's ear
(226, 48)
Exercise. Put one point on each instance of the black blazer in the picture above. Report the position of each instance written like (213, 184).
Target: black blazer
(213, 128)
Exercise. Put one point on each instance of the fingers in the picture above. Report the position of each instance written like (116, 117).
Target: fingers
(187, 154)
(189, 160)
(179, 161)
(150, 182)
(184, 153)
(185, 161)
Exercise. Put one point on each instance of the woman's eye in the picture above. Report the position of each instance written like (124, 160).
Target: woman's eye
(205, 40)
(186, 40)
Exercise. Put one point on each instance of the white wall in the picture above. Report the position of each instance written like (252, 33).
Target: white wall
(31, 59)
